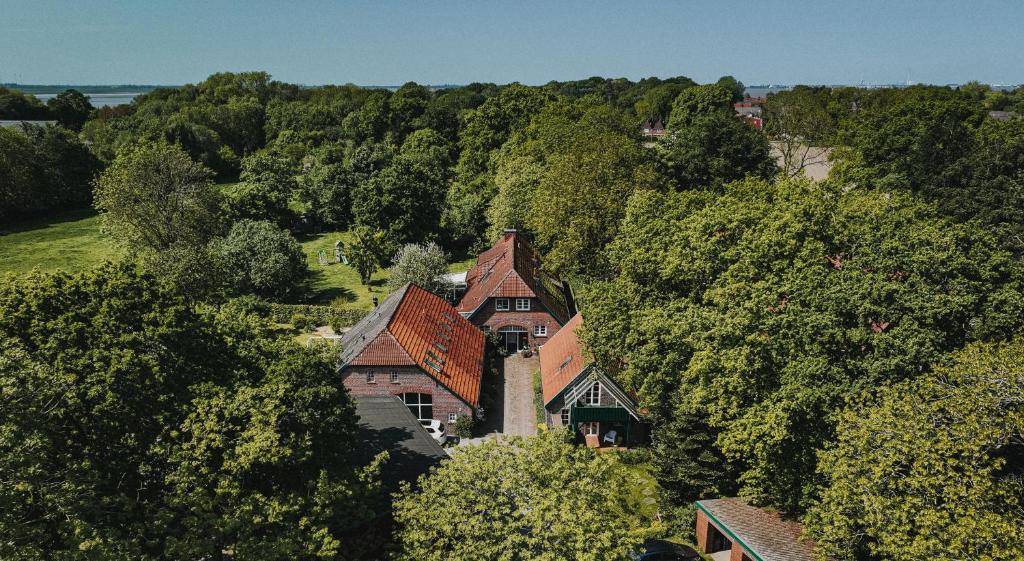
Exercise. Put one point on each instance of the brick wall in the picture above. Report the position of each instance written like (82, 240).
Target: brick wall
(410, 380)
(702, 532)
(491, 318)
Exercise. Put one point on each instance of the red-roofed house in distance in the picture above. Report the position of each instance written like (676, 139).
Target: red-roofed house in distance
(509, 293)
(415, 346)
(579, 394)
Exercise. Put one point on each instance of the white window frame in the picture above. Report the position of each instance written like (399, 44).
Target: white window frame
(564, 415)
(394, 377)
(591, 428)
(452, 417)
(592, 398)
(522, 304)
(540, 331)
(371, 378)
(420, 404)
(501, 304)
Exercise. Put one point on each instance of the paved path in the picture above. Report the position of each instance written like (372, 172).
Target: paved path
(519, 416)
(511, 412)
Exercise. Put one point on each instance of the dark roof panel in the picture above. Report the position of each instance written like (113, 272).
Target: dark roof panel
(387, 425)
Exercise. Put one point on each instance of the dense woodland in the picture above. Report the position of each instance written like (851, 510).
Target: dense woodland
(847, 352)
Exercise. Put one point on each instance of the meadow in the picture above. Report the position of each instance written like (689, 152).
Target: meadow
(73, 242)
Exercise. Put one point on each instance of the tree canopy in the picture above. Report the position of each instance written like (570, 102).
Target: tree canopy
(940, 459)
(136, 427)
(757, 312)
(537, 499)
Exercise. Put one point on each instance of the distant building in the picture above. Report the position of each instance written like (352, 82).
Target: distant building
(751, 109)
(578, 394)
(508, 292)
(733, 530)
(416, 347)
(1001, 115)
(653, 128)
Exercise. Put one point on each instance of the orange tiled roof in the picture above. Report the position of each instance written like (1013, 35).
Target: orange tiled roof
(561, 359)
(415, 327)
(511, 269)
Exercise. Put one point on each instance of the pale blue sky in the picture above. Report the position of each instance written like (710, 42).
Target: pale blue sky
(434, 42)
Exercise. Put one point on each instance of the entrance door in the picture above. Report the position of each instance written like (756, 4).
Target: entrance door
(514, 338)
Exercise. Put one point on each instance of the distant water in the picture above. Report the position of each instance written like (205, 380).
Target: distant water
(100, 99)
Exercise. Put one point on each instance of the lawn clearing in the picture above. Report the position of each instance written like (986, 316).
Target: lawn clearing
(69, 241)
(337, 284)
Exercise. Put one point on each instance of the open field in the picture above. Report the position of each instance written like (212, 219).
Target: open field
(69, 241)
(72, 242)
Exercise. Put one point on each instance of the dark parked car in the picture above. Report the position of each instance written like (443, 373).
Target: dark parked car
(661, 550)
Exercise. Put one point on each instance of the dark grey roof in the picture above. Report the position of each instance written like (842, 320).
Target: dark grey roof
(21, 125)
(767, 536)
(367, 329)
(386, 424)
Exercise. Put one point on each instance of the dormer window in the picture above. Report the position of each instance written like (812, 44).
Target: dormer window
(522, 304)
(501, 304)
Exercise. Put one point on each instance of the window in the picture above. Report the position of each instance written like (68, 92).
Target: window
(394, 377)
(540, 331)
(452, 417)
(565, 416)
(421, 404)
(593, 395)
(371, 378)
(589, 429)
(522, 304)
(501, 304)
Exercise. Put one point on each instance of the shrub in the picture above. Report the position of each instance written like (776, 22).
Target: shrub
(261, 258)
(464, 426)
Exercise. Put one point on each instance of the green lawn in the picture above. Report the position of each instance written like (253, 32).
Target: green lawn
(70, 241)
(338, 284)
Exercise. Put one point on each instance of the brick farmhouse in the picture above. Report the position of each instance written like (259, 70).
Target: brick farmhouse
(507, 292)
(415, 346)
(579, 394)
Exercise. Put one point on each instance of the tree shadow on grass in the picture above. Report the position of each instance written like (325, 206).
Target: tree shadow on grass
(47, 220)
(325, 295)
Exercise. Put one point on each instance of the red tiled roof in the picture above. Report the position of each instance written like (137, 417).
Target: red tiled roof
(421, 329)
(511, 269)
(561, 359)
(383, 350)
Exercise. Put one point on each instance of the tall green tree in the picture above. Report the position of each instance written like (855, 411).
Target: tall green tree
(931, 468)
(424, 265)
(154, 197)
(578, 201)
(406, 198)
(532, 499)
(759, 311)
(366, 252)
(800, 127)
(71, 108)
(713, 149)
(260, 258)
(699, 100)
(267, 183)
(135, 427)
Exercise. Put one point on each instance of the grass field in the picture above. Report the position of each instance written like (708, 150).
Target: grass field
(337, 284)
(72, 242)
(69, 241)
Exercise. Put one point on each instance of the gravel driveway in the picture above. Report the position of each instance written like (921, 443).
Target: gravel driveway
(518, 414)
